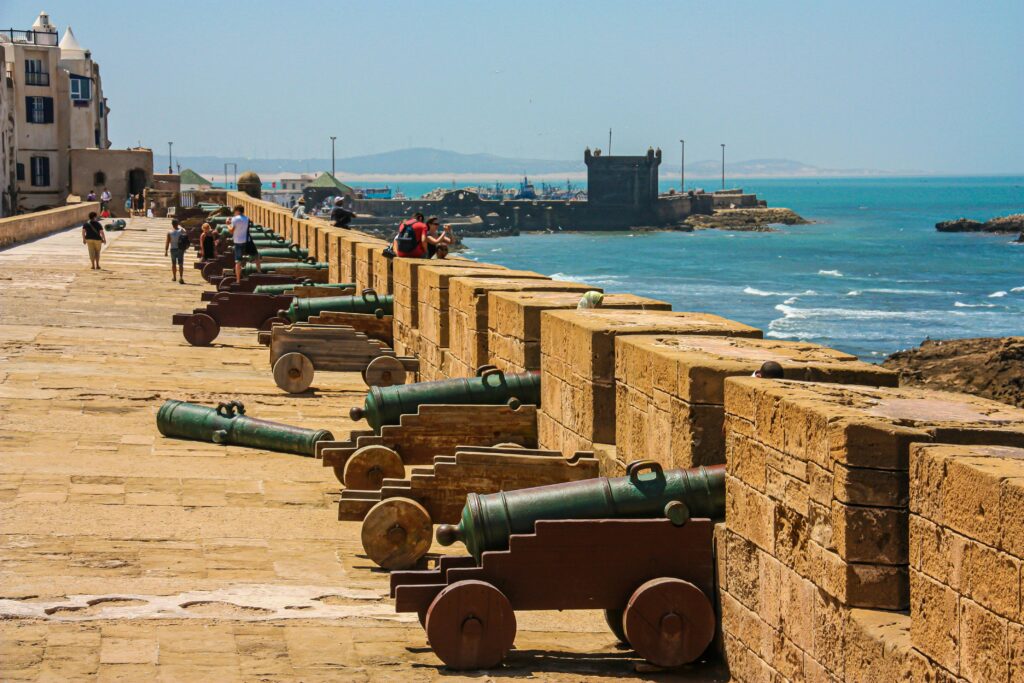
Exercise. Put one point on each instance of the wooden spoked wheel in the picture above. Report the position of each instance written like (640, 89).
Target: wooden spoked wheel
(369, 466)
(471, 625)
(384, 371)
(396, 533)
(200, 330)
(293, 372)
(669, 622)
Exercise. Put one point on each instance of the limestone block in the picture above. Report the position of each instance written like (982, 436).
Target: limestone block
(578, 348)
(334, 249)
(382, 277)
(366, 254)
(405, 282)
(349, 240)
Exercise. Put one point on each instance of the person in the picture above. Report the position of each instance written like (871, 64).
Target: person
(341, 216)
(105, 213)
(411, 241)
(435, 240)
(300, 209)
(94, 237)
(137, 205)
(240, 238)
(207, 243)
(91, 197)
(770, 370)
(176, 243)
(442, 251)
(105, 199)
(128, 205)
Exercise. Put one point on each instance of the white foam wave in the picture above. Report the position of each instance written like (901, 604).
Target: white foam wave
(791, 300)
(833, 273)
(960, 304)
(997, 295)
(588, 279)
(793, 313)
(754, 291)
(907, 291)
(1017, 289)
(853, 292)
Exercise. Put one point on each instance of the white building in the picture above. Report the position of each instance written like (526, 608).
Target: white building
(57, 102)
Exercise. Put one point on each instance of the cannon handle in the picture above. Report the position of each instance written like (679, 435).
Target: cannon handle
(634, 469)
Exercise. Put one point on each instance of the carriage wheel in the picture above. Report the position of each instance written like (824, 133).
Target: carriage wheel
(384, 371)
(471, 625)
(200, 330)
(369, 466)
(396, 533)
(509, 444)
(271, 321)
(293, 372)
(613, 617)
(225, 282)
(210, 269)
(669, 622)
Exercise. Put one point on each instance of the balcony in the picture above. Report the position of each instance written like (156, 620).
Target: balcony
(33, 37)
(37, 78)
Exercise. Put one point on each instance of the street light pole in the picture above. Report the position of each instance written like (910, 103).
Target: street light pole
(682, 167)
(170, 167)
(723, 165)
(333, 138)
(609, 142)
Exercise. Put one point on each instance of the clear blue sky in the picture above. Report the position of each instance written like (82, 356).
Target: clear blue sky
(931, 86)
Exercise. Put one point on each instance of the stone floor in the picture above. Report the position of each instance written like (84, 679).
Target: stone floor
(126, 556)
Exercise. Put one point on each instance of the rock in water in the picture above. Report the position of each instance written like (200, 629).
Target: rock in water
(1011, 223)
(960, 225)
(992, 367)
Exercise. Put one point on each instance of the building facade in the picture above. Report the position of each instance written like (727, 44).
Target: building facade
(57, 104)
(8, 193)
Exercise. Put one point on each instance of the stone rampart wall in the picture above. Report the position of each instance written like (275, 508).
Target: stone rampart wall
(30, 226)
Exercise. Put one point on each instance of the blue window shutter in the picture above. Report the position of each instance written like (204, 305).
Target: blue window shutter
(47, 110)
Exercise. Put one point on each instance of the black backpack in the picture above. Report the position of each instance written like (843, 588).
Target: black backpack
(406, 240)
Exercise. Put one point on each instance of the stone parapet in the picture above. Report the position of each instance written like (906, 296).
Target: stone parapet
(30, 226)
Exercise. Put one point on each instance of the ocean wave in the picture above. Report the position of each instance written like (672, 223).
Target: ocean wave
(1017, 289)
(754, 291)
(960, 304)
(853, 292)
(588, 279)
(833, 273)
(793, 313)
(997, 295)
(907, 291)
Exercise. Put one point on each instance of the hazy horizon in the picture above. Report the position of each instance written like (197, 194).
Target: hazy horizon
(920, 88)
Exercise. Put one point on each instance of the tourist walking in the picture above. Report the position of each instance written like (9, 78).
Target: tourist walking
(94, 237)
(105, 199)
(244, 246)
(341, 216)
(176, 243)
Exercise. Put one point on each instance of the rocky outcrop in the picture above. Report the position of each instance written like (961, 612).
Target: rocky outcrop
(992, 367)
(754, 219)
(1011, 223)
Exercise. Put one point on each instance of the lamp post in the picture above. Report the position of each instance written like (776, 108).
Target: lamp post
(333, 138)
(235, 168)
(609, 142)
(723, 165)
(682, 166)
(170, 167)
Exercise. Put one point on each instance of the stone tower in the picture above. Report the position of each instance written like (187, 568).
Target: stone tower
(250, 184)
(621, 181)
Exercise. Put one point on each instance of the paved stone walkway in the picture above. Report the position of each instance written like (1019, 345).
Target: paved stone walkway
(127, 556)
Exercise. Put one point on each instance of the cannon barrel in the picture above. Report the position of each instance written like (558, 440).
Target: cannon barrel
(679, 494)
(250, 268)
(386, 405)
(282, 252)
(228, 424)
(281, 289)
(367, 302)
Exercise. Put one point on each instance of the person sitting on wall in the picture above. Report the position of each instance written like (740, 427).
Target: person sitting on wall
(341, 216)
(91, 197)
(435, 240)
(300, 209)
(770, 370)
(411, 241)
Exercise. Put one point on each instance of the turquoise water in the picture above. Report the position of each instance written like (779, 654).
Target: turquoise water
(870, 276)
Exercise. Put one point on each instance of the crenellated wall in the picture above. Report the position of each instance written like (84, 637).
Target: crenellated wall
(872, 533)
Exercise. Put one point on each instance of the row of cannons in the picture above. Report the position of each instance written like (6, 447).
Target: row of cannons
(457, 461)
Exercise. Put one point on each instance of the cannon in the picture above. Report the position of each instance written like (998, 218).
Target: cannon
(229, 425)
(225, 261)
(297, 351)
(294, 290)
(386, 405)
(292, 252)
(487, 521)
(116, 225)
(289, 288)
(230, 309)
(398, 517)
(251, 282)
(307, 269)
(639, 547)
(367, 459)
(367, 302)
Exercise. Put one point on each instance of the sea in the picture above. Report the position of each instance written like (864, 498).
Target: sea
(870, 275)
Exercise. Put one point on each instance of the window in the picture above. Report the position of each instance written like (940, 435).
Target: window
(99, 178)
(97, 137)
(40, 171)
(39, 109)
(81, 89)
(21, 171)
(35, 74)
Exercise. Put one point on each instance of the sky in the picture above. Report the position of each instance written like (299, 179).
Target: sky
(934, 87)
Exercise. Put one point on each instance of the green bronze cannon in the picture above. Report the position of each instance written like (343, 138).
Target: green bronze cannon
(678, 494)
(294, 251)
(281, 289)
(369, 302)
(229, 425)
(250, 268)
(386, 405)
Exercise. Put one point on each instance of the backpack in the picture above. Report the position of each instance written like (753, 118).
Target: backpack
(406, 240)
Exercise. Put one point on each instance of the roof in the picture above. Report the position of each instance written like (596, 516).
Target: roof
(69, 46)
(190, 177)
(329, 181)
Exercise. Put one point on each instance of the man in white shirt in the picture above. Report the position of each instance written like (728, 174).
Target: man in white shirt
(105, 199)
(240, 236)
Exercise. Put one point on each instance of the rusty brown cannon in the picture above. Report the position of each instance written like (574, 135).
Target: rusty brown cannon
(639, 547)
(230, 309)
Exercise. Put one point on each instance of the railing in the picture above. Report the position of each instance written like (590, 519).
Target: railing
(188, 199)
(34, 37)
(37, 78)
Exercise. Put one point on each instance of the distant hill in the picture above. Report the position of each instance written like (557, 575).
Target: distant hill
(427, 160)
